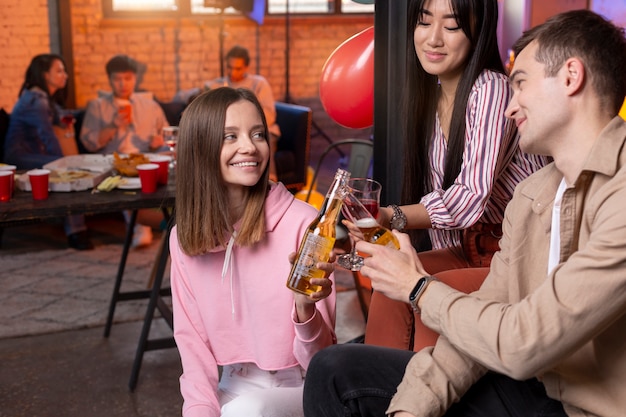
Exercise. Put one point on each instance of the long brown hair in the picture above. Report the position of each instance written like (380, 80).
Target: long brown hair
(203, 214)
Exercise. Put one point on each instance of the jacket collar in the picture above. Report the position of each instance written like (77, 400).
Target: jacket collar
(604, 159)
(605, 153)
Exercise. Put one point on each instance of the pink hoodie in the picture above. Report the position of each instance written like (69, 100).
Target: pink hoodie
(232, 306)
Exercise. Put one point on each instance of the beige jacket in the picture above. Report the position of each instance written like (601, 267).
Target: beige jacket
(567, 328)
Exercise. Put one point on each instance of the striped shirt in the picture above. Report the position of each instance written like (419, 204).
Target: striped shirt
(492, 165)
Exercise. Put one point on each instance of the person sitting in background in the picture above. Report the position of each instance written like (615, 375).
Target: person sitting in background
(237, 64)
(31, 141)
(545, 333)
(127, 122)
(235, 233)
(123, 121)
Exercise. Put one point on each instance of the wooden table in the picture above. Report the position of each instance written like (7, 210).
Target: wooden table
(22, 209)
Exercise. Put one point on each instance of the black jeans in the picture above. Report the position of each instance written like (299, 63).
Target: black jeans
(359, 380)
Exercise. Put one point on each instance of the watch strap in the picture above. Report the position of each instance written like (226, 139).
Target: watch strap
(418, 290)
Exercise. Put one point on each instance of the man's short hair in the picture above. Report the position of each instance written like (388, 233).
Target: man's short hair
(239, 52)
(596, 41)
(121, 63)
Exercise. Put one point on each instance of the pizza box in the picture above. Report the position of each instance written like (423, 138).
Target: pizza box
(73, 173)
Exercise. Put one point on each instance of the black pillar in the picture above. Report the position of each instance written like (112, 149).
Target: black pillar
(60, 18)
(390, 22)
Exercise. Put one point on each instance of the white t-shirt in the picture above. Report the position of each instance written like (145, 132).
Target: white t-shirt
(555, 235)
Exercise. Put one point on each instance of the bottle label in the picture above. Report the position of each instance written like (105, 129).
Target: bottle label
(315, 249)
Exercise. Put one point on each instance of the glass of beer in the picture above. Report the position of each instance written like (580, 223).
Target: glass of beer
(368, 228)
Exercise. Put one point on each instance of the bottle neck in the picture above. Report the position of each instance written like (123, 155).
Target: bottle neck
(341, 179)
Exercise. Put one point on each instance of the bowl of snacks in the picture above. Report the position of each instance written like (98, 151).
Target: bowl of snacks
(126, 165)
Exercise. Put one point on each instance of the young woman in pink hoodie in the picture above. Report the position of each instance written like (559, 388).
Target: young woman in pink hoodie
(230, 261)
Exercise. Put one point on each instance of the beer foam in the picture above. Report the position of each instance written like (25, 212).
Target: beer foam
(366, 223)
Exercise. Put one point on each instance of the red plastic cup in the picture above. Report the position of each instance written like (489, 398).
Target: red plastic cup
(12, 169)
(6, 185)
(148, 175)
(163, 162)
(124, 108)
(39, 181)
(125, 111)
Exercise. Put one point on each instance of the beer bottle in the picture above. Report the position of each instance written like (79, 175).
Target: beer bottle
(318, 240)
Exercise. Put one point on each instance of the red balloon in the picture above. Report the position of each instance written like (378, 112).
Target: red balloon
(347, 83)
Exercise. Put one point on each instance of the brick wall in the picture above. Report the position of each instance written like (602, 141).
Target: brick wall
(177, 54)
(182, 54)
(24, 33)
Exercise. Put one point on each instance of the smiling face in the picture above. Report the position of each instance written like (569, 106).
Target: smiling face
(123, 83)
(538, 105)
(56, 77)
(245, 149)
(440, 44)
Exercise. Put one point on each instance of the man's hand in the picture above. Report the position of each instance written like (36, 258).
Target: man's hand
(156, 142)
(393, 272)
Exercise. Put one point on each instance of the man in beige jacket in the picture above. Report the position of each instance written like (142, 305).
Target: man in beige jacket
(545, 335)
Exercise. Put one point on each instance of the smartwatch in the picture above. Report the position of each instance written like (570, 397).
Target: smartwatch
(418, 290)
(398, 219)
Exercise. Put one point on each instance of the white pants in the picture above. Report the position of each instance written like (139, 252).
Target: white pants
(246, 390)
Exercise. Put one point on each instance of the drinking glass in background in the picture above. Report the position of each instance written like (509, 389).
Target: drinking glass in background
(67, 121)
(170, 137)
(367, 192)
(124, 109)
(65, 133)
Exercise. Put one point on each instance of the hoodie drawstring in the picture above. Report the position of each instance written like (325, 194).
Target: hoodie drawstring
(228, 263)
